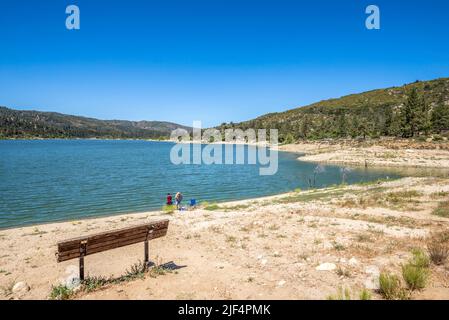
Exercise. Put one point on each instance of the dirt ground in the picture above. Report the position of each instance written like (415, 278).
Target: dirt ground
(267, 248)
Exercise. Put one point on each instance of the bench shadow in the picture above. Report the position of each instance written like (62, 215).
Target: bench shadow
(168, 265)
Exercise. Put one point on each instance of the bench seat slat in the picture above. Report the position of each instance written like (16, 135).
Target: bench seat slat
(154, 225)
(70, 249)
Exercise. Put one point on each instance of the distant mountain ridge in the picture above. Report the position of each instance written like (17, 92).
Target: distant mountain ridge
(36, 124)
(373, 113)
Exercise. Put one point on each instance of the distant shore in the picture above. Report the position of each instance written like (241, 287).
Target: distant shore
(99, 139)
(374, 153)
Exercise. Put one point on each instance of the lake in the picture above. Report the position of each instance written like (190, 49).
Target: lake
(56, 180)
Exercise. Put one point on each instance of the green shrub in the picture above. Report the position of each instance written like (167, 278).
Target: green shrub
(415, 277)
(390, 287)
(341, 295)
(420, 259)
(442, 210)
(365, 295)
(61, 292)
(93, 283)
(211, 207)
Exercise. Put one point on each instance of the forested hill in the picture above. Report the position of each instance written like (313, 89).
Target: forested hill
(416, 109)
(35, 124)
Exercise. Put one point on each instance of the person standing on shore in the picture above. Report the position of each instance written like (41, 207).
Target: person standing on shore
(169, 199)
(178, 200)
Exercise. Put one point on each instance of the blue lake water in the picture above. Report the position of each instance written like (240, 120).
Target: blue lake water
(55, 180)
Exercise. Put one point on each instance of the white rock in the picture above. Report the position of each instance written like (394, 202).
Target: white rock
(21, 287)
(263, 261)
(372, 283)
(281, 283)
(72, 282)
(326, 267)
(353, 261)
(374, 270)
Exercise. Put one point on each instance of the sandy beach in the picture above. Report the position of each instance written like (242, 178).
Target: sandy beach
(299, 245)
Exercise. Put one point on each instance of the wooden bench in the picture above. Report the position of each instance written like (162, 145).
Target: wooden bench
(83, 246)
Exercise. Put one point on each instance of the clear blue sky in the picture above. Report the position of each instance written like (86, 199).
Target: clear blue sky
(212, 60)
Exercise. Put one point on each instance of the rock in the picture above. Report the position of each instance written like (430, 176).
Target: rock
(374, 270)
(72, 281)
(281, 283)
(20, 287)
(326, 267)
(263, 261)
(353, 261)
(372, 283)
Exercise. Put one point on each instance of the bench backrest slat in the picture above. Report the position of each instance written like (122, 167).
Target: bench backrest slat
(70, 249)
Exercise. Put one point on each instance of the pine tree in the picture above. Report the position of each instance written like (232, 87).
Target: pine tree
(440, 116)
(409, 120)
(423, 117)
(341, 126)
(386, 131)
(395, 126)
(305, 126)
(363, 128)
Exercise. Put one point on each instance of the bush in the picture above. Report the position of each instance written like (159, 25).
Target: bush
(365, 295)
(341, 295)
(61, 292)
(438, 248)
(211, 207)
(420, 259)
(93, 283)
(415, 277)
(442, 210)
(390, 287)
(438, 252)
(416, 272)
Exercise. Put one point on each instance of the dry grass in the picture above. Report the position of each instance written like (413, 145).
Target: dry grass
(438, 247)
(442, 210)
(390, 287)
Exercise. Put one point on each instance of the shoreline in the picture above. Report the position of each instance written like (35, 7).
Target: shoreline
(383, 153)
(246, 238)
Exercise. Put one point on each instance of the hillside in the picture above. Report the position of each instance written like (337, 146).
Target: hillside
(35, 124)
(374, 113)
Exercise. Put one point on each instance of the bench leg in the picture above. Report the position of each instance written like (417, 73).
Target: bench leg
(82, 254)
(82, 268)
(146, 258)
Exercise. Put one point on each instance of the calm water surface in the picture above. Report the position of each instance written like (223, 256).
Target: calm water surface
(54, 180)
